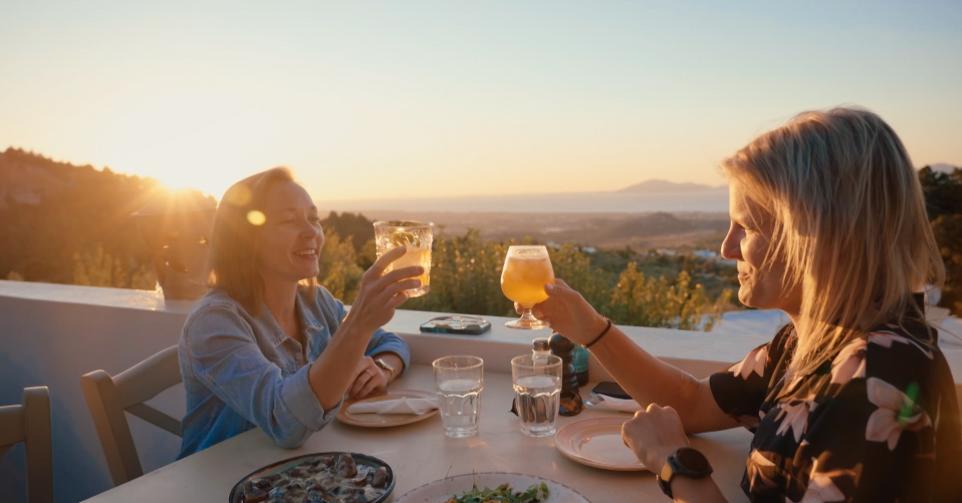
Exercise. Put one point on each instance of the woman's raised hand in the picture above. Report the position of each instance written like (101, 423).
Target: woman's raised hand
(569, 313)
(380, 294)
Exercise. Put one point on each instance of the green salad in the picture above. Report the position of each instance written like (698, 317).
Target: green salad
(503, 494)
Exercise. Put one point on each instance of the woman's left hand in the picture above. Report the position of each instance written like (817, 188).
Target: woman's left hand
(654, 434)
(369, 380)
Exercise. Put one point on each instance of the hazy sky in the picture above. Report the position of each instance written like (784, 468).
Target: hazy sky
(402, 98)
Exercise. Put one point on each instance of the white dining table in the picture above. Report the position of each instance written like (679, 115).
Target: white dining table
(419, 453)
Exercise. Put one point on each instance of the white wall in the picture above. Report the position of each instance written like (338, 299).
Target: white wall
(52, 344)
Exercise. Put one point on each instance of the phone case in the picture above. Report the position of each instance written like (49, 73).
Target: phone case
(467, 325)
(610, 388)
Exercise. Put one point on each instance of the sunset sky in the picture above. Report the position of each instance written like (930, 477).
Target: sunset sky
(396, 99)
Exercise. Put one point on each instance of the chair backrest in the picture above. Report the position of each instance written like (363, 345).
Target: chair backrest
(30, 423)
(108, 398)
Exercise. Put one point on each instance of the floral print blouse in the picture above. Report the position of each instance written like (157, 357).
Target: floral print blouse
(879, 422)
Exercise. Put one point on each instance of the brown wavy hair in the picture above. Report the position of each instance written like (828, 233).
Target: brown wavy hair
(235, 243)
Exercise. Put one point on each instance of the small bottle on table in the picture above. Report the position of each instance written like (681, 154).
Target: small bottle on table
(571, 403)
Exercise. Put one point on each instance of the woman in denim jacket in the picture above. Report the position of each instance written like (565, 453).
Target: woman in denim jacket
(268, 346)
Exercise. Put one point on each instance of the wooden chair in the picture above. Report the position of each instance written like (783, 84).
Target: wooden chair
(30, 423)
(108, 398)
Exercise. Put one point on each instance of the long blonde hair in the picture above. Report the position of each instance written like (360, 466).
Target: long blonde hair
(235, 243)
(850, 224)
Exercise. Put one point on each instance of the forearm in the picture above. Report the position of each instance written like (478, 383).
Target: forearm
(689, 490)
(333, 371)
(645, 377)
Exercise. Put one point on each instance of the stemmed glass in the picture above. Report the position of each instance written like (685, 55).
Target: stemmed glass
(527, 269)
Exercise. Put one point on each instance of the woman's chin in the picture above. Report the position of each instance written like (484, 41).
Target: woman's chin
(752, 299)
(746, 298)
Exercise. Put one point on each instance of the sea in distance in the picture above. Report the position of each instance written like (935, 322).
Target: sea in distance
(709, 200)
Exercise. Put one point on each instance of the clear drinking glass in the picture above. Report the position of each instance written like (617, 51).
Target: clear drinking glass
(537, 388)
(417, 238)
(460, 380)
(527, 269)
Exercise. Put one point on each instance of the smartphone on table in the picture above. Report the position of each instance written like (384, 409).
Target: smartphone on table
(610, 388)
(457, 324)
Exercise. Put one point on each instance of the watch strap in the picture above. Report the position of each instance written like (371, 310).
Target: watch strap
(674, 466)
(381, 363)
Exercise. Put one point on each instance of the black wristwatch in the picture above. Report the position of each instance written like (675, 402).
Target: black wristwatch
(685, 462)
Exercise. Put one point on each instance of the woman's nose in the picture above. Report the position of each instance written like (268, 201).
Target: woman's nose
(731, 246)
(310, 230)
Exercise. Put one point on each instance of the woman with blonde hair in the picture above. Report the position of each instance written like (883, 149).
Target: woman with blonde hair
(268, 346)
(851, 401)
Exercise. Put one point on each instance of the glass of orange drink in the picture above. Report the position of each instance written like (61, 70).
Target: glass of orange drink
(527, 269)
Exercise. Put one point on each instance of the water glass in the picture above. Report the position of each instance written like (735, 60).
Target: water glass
(460, 380)
(537, 388)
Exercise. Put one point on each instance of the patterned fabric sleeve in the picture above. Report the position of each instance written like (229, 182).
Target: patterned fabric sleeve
(740, 390)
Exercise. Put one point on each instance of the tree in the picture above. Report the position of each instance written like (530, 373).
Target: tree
(660, 302)
(465, 277)
(95, 267)
(339, 271)
(352, 227)
(943, 200)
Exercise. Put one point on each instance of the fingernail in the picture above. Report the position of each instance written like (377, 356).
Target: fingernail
(549, 288)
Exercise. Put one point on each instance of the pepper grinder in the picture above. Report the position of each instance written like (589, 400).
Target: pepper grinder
(571, 403)
(540, 351)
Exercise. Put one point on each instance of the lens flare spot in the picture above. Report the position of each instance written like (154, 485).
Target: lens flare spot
(256, 218)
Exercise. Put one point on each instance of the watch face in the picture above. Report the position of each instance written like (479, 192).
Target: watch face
(692, 460)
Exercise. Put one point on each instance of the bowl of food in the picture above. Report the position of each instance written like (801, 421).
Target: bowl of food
(335, 477)
(499, 487)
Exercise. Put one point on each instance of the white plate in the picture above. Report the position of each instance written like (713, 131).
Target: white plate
(386, 420)
(440, 491)
(597, 442)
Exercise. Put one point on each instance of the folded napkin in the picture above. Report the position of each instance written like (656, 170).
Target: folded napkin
(403, 405)
(605, 402)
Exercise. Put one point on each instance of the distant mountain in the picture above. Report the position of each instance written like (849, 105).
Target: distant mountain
(666, 187)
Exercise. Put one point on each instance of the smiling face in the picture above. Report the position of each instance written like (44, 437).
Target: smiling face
(291, 238)
(761, 285)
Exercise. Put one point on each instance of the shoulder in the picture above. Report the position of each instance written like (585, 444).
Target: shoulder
(894, 349)
(898, 358)
(213, 313)
(215, 301)
(783, 344)
(890, 367)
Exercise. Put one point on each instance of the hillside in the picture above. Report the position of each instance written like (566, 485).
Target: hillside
(65, 223)
(640, 231)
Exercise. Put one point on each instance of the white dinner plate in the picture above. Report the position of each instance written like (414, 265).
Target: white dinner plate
(597, 442)
(440, 491)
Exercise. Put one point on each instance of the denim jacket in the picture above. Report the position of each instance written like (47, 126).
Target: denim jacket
(241, 371)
